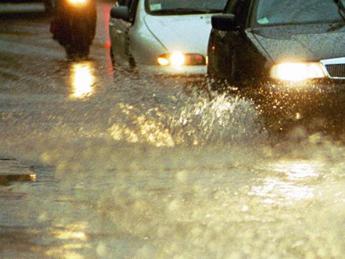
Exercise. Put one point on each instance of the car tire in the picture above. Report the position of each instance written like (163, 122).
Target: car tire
(79, 46)
(77, 52)
(130, 62)
(223, 82)
(214, 81)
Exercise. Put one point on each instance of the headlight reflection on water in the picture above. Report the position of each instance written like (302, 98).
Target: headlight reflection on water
(77, 240)
(275, 191)
(294, 184)
(82, 80)
(298, 170)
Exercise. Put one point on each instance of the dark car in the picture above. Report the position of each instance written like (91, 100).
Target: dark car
(295, 41)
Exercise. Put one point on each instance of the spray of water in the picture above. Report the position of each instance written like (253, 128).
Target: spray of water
(189, 118)
(221, 120)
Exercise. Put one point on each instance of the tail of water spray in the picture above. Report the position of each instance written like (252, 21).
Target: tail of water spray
(220, 120)
(194, 120)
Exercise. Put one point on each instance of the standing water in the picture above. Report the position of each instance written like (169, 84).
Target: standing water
(127, 166)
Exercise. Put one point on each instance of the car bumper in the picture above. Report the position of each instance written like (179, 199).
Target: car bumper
(185, 71)
(316, 106)
(294, 101)
(306, 87)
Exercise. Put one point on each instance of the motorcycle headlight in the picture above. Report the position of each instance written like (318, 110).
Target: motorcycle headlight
(178, 59)
(296, 72)
(77, 2)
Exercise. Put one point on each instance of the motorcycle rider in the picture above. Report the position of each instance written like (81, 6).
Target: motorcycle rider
(74, 26)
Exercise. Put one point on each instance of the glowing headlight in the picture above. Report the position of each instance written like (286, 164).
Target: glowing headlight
(175, 59)
(77, 2)
(178, 59)
(297, 71)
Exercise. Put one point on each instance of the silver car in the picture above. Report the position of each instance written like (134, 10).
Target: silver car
(162, 36)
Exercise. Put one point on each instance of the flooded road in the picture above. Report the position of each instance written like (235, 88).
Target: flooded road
(120, 165)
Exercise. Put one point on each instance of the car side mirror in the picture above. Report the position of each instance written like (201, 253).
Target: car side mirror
(224, 22)
(120, 12)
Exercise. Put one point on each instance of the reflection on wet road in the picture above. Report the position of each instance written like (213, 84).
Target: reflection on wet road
(108, 164)
(292, 188)
(82, 79)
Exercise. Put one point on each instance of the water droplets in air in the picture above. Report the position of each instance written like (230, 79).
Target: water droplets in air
(192, 119)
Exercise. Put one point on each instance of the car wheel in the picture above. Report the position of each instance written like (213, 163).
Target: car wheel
(222, 79)
(216, 83)
(77, 52)
(79, 45)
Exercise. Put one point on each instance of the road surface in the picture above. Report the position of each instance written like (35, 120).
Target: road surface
(96, 162)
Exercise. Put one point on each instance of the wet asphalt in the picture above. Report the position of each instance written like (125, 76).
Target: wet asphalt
(34, 72)
(96, 162)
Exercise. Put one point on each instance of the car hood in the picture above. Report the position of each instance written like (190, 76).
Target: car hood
(302, 43)
(185, 33)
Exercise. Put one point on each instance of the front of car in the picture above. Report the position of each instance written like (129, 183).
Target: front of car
(303, 42)
(173, 40)
(303, 69)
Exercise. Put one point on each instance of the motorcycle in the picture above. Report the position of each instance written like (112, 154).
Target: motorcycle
(74, 26)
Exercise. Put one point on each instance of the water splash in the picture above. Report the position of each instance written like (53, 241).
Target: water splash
(221, 120)
(193, 120)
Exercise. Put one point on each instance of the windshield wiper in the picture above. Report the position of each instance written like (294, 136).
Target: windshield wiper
(186, 11)
(341, 11)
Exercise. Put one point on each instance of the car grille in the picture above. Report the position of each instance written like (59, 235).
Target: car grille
(336, 70)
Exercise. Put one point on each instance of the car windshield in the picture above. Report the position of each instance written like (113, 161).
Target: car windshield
(169, 7)
(273, 12)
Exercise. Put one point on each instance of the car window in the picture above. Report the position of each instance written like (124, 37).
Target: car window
(270, 12)
(184, 7)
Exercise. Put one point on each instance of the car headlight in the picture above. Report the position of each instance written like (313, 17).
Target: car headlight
(178, 59)
(296, 72)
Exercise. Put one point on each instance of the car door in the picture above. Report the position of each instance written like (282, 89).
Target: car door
(119, 34)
